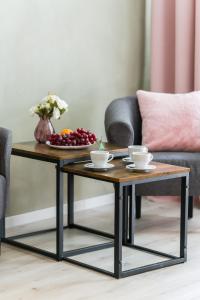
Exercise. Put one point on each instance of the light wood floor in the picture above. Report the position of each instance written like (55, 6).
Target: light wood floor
(26, 276)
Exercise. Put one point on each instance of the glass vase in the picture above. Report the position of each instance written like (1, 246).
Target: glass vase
(43, 130)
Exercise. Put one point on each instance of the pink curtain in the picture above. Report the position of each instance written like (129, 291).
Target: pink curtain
(175, 61)
(175, 50)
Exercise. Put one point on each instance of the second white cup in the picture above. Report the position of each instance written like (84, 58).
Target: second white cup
(141, 159)
(136, 148)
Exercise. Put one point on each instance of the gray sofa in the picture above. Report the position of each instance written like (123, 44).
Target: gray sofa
(5, 152)
(123, 127)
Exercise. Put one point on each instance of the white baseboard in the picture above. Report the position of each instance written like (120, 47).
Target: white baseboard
(48, 213)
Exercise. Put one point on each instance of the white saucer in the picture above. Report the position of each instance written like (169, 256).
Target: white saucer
(147, 168)
(127, 160)
(91, 166)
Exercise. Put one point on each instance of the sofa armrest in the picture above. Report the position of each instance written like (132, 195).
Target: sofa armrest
(119, 122)
(5, 153)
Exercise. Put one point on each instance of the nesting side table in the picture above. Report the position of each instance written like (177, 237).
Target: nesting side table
(121, 178)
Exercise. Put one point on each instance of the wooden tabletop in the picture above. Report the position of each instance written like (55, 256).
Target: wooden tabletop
(44, 152)
(120, 174)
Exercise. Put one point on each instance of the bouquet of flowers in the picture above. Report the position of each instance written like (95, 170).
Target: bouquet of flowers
(50, 106)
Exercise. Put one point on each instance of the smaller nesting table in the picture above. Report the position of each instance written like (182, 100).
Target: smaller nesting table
(124, 213)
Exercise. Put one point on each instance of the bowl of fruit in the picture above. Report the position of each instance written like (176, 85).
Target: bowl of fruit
(68, 139)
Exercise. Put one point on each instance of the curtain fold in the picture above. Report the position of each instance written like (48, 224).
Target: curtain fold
(147, 46)
(175, 58)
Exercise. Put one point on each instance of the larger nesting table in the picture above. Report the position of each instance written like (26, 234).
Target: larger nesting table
(121, 178)
(59, 158)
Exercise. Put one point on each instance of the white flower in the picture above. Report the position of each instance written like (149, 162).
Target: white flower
(43, 106)
(32, 110)
(47, 106)
(61, 104)
(56, 113)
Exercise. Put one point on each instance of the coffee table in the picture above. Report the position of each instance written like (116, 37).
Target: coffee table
(59, 158)
(124, 225)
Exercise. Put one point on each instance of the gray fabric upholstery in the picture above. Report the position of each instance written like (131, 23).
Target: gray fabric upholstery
(2, 195)
(5, 152)
(123, 122)
(123, 127)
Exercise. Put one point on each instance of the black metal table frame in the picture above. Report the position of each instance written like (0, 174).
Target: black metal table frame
(123, 232)
(124, 227)
(13, 240)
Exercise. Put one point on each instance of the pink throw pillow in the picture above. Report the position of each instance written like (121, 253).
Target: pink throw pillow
(170, 122)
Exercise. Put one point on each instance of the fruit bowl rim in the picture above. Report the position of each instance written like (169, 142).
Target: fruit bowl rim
(68, 147)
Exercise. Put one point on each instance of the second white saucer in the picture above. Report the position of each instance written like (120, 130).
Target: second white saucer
(91, 166)
(147, 168)
(127, 160)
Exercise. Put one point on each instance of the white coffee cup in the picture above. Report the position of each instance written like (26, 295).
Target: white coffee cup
(141, 159)
(101, 158)
(137, 148)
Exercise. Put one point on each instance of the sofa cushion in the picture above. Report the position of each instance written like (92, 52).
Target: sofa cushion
(170, 122)
(172, 187)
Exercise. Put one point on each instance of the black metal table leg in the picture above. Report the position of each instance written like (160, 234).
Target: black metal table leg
(184, 216)
(138, 207)
(132, 214)
(2, 228)
(125, 214)
(59, 212)
(118, 231)
(190, 207)
(70, 199)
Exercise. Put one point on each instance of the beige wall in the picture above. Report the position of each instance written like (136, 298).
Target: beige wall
(87, 51)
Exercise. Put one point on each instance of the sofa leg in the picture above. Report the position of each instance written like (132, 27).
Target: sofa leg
(190, 207)
(138, 206)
